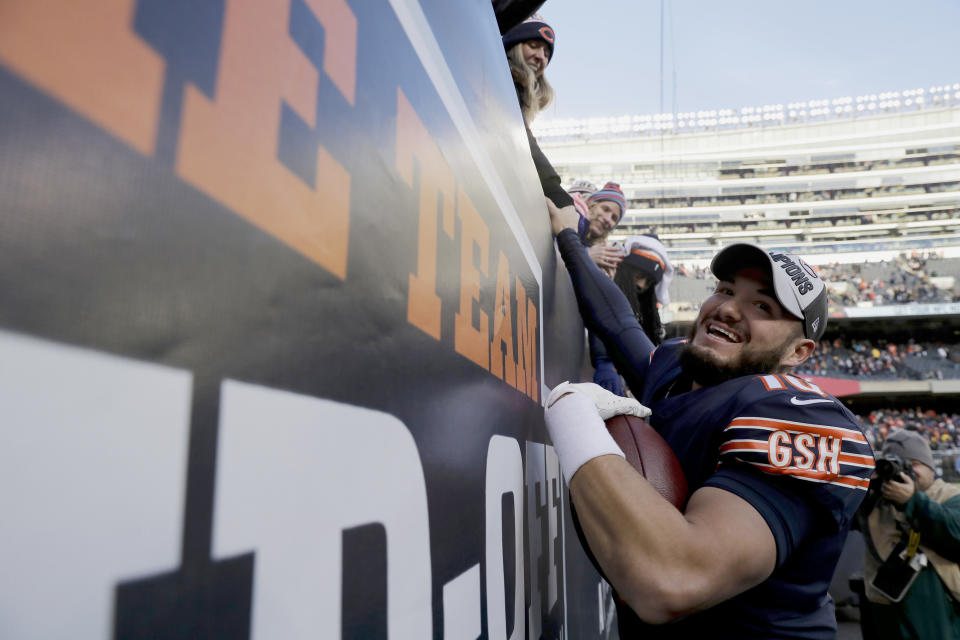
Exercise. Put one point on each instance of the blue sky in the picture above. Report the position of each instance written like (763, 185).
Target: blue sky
(744, 52)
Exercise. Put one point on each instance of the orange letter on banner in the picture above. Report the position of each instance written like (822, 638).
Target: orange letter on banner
(468, 340)
(86, 55)
(503, 365)
(436, 190)
(228, 146)
(526, 344)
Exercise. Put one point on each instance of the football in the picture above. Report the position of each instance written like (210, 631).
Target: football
(651, 456)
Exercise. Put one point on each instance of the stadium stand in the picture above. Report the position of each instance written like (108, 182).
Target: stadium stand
(866, 188)
(840, 177)
(940, 428)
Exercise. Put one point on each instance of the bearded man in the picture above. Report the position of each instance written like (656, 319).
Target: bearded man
(776, 467)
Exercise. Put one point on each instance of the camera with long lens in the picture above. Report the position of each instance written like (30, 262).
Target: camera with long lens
(889, 467)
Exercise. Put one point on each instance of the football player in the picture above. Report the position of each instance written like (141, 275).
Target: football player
(776, 467)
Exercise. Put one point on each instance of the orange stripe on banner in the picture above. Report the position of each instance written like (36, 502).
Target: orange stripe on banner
(228, 142)
(87, 56)
(786, 425)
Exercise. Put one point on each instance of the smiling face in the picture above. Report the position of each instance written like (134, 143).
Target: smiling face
(743, 330)
(604, 216)
(535, 55)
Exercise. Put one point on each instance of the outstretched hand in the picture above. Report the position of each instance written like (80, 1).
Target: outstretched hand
(565, 218)
(608, 404)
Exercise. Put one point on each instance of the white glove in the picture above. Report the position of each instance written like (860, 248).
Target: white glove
(576, 425)
(608, 404)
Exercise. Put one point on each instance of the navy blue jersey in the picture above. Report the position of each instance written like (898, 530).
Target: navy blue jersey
(797, 456)
(795, 453)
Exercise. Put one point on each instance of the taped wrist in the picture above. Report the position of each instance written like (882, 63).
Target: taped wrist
(578, 433)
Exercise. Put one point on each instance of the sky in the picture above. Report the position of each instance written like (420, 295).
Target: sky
(736, 53)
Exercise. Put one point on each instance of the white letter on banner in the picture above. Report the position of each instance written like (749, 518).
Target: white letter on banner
(543, 526)
(536, 504)
(504, 475)
(554, 513)
(292, 473)
(461, 606)
(92, 473)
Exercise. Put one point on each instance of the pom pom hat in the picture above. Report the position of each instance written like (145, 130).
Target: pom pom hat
(611, 191)
(797, 286)
(533, 28)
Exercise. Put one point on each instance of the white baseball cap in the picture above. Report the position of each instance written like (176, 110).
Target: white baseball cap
(799, 289)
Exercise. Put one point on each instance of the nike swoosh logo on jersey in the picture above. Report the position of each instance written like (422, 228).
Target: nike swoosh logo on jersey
(798, 401)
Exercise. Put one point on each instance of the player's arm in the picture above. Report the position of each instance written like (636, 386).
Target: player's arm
(664, 563)
(603, 306)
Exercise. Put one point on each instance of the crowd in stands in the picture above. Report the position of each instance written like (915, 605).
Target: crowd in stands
(941, 429)
(884, 360)
(908, 281)
(710, 223)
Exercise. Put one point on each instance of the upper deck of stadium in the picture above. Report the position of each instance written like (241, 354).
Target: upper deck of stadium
(836, 177)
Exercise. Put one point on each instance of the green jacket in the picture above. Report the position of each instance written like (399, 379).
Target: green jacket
(931, 608)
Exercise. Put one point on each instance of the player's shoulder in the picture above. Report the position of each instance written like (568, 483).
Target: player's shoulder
(668, 349)
(789, 394)
(786, 425)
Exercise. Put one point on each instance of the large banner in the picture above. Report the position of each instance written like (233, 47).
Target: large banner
(279, 305)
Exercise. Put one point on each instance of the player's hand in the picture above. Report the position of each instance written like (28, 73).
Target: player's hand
(560, 219)
(898, 490)
(607, 257)
(608, 404)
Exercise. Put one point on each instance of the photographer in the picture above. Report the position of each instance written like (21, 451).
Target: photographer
(911, 526)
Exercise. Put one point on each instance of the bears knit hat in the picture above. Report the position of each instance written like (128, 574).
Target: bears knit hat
(797, 286)
(649, 263)
(652, 245)
(908, 445)
(533, 28)
(611, 191)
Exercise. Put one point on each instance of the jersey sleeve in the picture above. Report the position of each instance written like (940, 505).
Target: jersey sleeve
(803, 450)
(606, 312)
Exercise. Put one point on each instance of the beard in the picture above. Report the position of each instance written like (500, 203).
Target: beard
(704, 368)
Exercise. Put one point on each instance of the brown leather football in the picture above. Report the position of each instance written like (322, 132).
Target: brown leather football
(649, 453)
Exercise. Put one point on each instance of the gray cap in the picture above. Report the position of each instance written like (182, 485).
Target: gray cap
(798, 287)
(909, 445)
